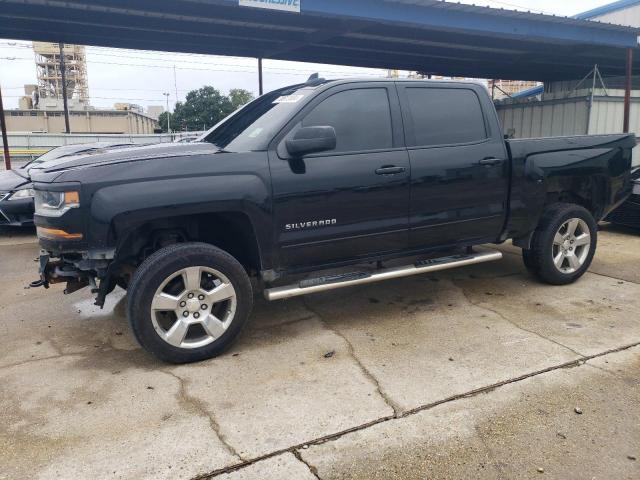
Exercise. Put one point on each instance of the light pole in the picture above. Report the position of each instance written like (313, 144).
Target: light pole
(5, 141)
(168, 113)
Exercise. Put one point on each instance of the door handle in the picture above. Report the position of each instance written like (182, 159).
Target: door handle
(490, 162)
(390, 170)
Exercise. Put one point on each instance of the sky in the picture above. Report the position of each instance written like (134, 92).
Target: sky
(141, 77)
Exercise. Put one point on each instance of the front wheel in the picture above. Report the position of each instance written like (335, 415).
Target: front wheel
(563, 245)
(188, 302)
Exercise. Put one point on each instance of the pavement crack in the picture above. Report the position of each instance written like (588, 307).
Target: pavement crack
(312, 469)
(513, 322)
(409, 413)
(604, 370)
(186, 399)
(397, 410)
(287, 323)
(34, 360)
(589, 270)
(56, 347)
(614, 278)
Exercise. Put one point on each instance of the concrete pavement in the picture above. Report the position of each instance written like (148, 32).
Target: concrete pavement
(470, 373)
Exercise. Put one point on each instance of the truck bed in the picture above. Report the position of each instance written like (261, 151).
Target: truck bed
(544, 170)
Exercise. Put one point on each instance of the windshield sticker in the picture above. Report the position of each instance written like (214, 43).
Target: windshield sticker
(256, 133)
(289, 99)
(286, 5)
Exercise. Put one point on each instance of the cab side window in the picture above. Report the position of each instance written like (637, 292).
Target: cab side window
(445, 116)
(361, 119)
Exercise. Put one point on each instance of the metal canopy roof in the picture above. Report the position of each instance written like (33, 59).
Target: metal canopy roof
(427, 35)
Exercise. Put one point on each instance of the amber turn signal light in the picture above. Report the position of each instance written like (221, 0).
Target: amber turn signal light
(71, 198)
(57, 234)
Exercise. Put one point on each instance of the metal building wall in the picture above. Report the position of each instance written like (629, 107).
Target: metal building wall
(545, 119)
(552, 118)
(25, 146)
(629, 16)
(607, 116)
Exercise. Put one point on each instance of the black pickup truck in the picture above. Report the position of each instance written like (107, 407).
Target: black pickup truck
(310, 178)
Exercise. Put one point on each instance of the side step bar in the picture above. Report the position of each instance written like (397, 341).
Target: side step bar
(332, 282)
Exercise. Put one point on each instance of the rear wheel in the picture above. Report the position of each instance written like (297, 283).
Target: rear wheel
(189, 302)
(563, 245)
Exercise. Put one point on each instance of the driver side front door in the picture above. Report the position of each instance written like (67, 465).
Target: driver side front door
(352, 201)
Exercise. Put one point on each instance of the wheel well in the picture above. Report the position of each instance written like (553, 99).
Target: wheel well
(588, 192)
(230, 231)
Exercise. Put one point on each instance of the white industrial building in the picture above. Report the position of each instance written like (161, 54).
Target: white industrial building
(624, 12)
(592, 105)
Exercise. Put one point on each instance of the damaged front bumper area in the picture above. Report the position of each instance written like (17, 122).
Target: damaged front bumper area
(78, 270)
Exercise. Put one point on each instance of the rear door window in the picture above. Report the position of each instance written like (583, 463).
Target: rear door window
(445, 116)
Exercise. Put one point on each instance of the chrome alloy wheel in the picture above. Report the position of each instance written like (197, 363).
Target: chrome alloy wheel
(571, 245)
(193, 307)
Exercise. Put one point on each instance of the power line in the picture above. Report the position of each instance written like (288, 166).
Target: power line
(173, 61)
(273, 71)
(103, 98)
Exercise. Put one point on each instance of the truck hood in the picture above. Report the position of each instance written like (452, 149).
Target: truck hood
(132, 154)
(10, 180)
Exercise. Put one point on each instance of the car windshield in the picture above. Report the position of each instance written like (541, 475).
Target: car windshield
(252, 127)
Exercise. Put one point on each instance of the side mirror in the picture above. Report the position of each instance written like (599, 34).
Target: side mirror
(311, 140)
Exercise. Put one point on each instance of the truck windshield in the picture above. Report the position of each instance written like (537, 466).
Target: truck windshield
(252, 127)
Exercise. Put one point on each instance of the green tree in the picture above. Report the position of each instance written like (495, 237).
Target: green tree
(239, 97)
(203, 108)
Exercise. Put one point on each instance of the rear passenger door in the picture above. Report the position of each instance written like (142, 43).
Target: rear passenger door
(459, 167)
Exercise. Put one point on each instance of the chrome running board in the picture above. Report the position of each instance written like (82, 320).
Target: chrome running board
(332, 282)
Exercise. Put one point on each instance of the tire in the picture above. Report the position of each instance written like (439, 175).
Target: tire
(563, 244)
(530, 262)
(210, 291)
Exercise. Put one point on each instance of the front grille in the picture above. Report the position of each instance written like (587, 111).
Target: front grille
(3, 195)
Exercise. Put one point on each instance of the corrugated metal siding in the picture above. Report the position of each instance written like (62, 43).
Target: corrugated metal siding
(569, 117)
(548, 119)
(607, 117)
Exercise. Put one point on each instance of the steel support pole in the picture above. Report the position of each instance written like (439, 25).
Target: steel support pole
(5, 140)
(64, 89)
(592, 97)
(627, 91)
(260, 86)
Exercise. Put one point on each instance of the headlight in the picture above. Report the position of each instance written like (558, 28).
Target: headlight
(55, 204)
(22, 194)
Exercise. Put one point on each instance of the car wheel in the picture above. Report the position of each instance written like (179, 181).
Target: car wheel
(563, 245)
(188, 302)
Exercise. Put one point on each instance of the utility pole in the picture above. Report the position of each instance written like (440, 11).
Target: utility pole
(166, 94)
(64, 89)
(5, 141)
(260, 89)
(175, 82)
